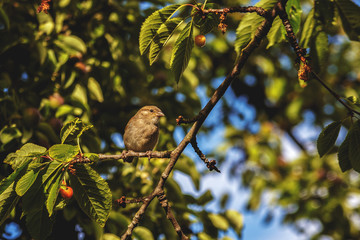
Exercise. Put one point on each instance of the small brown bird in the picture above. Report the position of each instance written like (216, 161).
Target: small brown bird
(142, 131)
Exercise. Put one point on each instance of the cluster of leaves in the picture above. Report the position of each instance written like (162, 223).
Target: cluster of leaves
(348, 152)
(37, 177)
(160, 26)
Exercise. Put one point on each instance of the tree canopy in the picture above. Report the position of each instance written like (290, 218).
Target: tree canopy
(74, 72)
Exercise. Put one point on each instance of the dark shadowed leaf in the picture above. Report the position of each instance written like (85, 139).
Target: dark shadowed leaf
(350, 17)
(354, 143)
(327, 137)
(92, 193)
(343, 155)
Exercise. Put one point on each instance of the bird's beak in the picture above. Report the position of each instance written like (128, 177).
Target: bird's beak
(160, 114)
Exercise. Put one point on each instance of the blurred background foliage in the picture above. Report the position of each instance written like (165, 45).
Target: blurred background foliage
(82, 60)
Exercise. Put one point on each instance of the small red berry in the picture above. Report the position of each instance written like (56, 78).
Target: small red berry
(200, 40)
(66, 192)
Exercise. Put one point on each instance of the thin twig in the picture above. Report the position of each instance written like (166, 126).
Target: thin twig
(209, 164)
(338, 98)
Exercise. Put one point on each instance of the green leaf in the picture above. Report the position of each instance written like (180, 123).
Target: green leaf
(350, 17)
(8, 196)
(163, 35)
(71, 44)
(7, 134)
(95, 90)
(219, 221)
(276, 33)
(249, 24)
(25, 182)
(53, 192)
(63, 152)
(182, 50)
(353, 100)
(64, 110)
(151, 25)
(143, 233)
(343, 155)
(26, 152)
(205, 198)
(236, 220)
(308, 29)
(327, 137)
(293, 9)
(208, 22)
(8, 200)
(92, 193)
(39, 224)
(354, 143)
(321, 50)
(73, 129)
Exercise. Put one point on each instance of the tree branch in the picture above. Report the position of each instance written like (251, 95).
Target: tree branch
(169, 215)
(125, 154)
(261, 32)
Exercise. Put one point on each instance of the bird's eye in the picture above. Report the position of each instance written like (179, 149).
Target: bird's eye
(151, 110)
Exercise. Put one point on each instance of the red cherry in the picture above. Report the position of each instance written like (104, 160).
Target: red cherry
(66, 192)
(200, 40)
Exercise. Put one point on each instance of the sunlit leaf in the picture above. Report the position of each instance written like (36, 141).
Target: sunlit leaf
(276, 33)
(27, 180)
(9, 133)
(63, 152)
(235, 219)
(8, 196)
(71, 44)
(166, 30)
(151, 25)
(95, 90)
(25, 153)
(219, 221)
(53, 192)
(73, 129)
(143, 233)
(307, 30)
(182, 50)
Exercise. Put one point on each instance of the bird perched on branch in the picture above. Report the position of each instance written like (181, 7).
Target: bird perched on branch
(142, 131)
